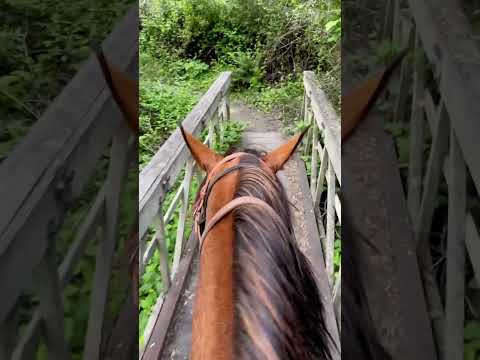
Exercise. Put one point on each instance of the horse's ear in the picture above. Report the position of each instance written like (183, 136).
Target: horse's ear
(358, 102)
(278, 157)
(203, 155)
(124, 89)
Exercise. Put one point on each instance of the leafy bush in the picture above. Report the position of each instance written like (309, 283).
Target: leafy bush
(248, 72)
(40, 51)
(286, 36)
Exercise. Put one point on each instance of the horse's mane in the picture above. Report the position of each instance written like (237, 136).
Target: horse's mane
(279, 313)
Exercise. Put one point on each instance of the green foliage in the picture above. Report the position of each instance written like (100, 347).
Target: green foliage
(248, 72)
(334, 27)
(472, 340)
(40, 51)
(162, 108)
(288, 36)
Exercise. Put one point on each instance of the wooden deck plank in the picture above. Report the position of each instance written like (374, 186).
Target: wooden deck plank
(379, 212)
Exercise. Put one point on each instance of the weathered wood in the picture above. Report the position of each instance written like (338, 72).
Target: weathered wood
(457, 56)
(98, 300)
(337, 299)
(330, 233)
(307, 119)
(161, 241)
(472, 240)
(173, 205)
(455, 284)
(327, 120)
(8, 333)
(423, 225)
(313, 168)
(27, 344)
(400, 107)
(417, 126)
(123, 342)
(388, 20)
(30, 175)
(432, 177)
(161, 172)
(47, 287)
(183, 210)
(396, 21)
(390, 270)
(321, 177)
(154, 344)
(61, 129)
(26, 348)
(338, 209)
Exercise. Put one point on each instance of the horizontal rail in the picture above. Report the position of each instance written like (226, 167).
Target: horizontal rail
(326, 118)
(159, 175)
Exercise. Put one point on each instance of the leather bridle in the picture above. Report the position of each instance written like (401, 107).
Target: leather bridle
(201, 227)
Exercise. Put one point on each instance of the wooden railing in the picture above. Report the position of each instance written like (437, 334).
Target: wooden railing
(323, 145)
(39, 181)
(159, 177)
(442, 39)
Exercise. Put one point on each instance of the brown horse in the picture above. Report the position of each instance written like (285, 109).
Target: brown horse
(256, 296)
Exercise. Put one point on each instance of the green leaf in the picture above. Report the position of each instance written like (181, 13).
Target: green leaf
(472, 330)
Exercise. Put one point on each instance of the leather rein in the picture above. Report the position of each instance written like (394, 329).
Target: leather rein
(201, 227)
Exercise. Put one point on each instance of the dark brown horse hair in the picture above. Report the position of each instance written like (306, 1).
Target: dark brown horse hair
(278, 311)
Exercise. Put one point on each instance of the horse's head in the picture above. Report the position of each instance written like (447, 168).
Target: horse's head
(247, 256)
(208, 159)
(221, 172)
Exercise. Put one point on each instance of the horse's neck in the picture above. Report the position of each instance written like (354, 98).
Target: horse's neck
(212, 328)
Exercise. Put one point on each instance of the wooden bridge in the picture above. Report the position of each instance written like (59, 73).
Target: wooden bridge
(40, 180)
(436, 97)
(42, 177)
(168, 333)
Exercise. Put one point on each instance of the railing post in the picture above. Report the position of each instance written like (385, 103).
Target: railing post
(321, 176)
(47, 286)
(183, 215)
(211, 134)
(330, 231)
(308, 119)
(227, 104)
(455, 284)
(313, 168)
(337, 299)
(106, 249)
(417, 125)
(161, 243)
